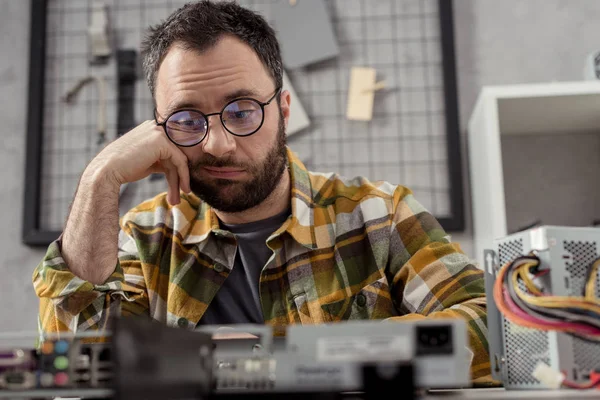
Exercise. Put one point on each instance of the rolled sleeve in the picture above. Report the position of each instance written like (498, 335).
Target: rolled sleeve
(69, 303)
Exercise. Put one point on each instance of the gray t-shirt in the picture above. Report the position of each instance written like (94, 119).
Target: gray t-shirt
(238, 301)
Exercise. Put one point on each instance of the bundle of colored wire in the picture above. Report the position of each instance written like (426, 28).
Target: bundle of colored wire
(534, 308)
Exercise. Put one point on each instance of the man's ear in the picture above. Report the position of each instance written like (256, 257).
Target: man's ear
(284, 101)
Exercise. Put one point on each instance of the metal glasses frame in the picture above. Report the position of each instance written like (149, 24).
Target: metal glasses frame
(220, 114)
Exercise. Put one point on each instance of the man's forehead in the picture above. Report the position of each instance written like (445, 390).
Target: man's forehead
(208, 79)
(227, 49)
(228, 56)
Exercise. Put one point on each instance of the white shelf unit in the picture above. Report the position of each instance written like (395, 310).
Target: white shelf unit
(540, 108)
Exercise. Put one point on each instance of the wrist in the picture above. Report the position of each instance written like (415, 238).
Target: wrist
(98, 176)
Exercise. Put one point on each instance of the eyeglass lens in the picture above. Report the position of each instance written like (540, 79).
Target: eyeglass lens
(241, 117)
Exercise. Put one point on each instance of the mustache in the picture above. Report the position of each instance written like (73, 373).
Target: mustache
(209, 160)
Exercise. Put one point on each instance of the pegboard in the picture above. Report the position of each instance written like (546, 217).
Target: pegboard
(413, 138)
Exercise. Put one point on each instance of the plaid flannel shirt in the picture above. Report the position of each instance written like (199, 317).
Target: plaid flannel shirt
(351, 249)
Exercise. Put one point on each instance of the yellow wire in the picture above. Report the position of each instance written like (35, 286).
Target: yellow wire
(554, 301)
(590, 285)
(524, 274)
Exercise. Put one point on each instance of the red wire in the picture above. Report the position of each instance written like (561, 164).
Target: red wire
(594, 382)
(541, 273)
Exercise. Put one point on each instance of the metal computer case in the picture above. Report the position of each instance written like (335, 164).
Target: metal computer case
(514, 350)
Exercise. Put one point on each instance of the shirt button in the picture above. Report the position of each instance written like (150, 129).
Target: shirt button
(219, 268)
(361, 300)
(182, 322)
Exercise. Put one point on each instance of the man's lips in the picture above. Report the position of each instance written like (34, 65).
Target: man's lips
(224, 172)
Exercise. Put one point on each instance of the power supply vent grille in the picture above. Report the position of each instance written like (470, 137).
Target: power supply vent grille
(582, 255)
(510, 250)
(525, 347)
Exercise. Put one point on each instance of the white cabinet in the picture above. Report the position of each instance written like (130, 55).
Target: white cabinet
(536, 114)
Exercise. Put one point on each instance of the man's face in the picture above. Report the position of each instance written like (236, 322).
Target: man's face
(230, 173)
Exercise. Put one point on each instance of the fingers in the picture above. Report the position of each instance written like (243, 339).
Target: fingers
(173, 184)
(184, 173)
(142, 151)
(172, 156)
(178, 175)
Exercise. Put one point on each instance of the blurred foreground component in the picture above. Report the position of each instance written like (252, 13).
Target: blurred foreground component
(143, 359)
(153, 361)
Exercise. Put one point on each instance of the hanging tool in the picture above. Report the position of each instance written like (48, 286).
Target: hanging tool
(361, 93)
(69, 98)
(99, 34)
(126, 75)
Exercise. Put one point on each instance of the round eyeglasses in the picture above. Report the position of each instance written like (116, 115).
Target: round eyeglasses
(240, 117)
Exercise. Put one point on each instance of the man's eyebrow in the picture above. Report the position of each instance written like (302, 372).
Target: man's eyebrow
(239, 93)
(171, 108)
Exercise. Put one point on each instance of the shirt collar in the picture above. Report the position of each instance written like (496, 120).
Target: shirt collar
(301, 225)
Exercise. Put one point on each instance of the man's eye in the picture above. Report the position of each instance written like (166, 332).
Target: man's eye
(186, 122)
(243, 114)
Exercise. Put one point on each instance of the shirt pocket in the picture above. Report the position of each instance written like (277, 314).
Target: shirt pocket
(371, 302)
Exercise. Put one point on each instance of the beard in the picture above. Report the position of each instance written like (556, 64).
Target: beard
(233, 196)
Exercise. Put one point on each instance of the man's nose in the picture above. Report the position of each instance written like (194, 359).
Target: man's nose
(218, 142)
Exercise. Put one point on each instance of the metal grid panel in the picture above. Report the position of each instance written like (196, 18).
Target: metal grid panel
(405, 143)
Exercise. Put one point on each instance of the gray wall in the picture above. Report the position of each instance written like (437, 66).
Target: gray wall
(498, 42)
(18, 305)
(518, 41)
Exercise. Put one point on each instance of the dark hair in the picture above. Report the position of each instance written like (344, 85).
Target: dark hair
(200, 25)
